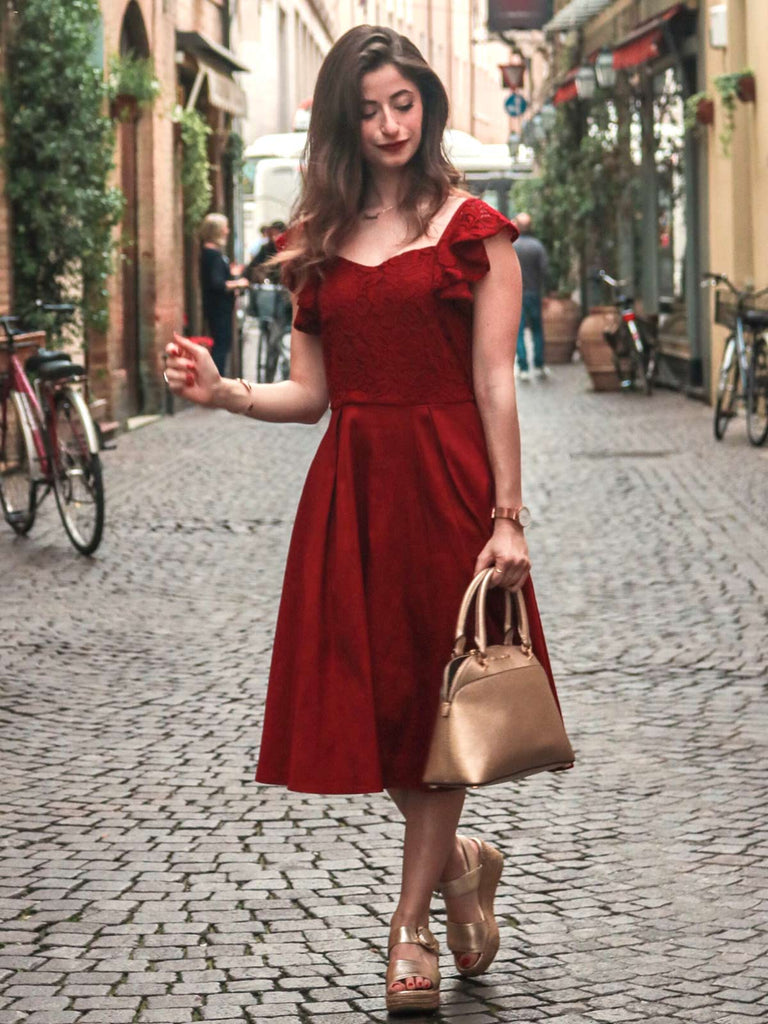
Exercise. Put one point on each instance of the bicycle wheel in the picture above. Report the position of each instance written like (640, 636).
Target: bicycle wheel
(18, 492)
(757, 392)
(727, 388)
(648, 358)
(77, 476)
(268, 352)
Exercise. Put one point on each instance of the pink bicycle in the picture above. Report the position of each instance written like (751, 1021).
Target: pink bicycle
(48, 440)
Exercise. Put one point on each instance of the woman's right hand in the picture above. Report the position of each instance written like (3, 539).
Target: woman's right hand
(190, 371)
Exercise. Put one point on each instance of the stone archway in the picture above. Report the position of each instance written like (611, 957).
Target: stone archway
(133, 42)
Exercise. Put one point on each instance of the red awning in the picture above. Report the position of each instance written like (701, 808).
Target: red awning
(565, 93)
(639, 51)
(645, 43)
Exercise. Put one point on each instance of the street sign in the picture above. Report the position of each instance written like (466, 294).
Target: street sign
(515, 105)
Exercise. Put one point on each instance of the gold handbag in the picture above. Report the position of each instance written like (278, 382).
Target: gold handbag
(498, 719)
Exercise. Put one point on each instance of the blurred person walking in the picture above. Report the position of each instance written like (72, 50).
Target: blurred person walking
(218, 282)
(406, 296)
(533, 265)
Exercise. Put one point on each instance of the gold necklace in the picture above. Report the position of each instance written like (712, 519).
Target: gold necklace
(375, 216)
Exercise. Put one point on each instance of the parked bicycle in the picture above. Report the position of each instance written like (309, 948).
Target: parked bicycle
(48, 439)
(271, 304)
(633, 343)
(743, 372)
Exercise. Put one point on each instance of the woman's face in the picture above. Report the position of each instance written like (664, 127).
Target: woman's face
(392, 115)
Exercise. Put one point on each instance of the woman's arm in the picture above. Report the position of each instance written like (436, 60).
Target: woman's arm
(498, 300)
(302, 399)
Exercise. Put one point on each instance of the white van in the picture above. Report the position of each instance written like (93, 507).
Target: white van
(273, 169)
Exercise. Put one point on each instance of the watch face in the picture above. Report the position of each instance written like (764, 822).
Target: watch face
(524, 517)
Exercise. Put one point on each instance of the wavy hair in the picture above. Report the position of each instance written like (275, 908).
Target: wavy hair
(336, 176)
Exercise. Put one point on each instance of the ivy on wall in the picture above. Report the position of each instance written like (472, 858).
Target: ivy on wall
(59, 151)
(195, 168)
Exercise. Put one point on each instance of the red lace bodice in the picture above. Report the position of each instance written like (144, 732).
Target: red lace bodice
(400, 333)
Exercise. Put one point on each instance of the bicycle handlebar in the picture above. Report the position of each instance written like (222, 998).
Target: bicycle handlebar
(610, 280)
(708, 278)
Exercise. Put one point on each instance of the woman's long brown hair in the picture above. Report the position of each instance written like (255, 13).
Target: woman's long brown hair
(336, 175)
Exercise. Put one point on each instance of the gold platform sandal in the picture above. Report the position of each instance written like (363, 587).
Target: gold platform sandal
(480, 938)
(412, 1000)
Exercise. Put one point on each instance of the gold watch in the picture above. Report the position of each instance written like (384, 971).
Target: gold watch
(521, 516)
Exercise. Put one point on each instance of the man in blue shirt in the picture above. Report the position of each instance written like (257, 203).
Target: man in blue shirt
(533, 264)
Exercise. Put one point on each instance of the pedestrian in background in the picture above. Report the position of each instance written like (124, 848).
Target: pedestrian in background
(258, 268)
(407, 295)
(533, 265)
(218, 282)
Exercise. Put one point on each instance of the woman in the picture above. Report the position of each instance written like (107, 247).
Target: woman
(407, 299)
(218, 282)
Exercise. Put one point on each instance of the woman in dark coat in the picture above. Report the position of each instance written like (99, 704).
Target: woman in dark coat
(219, 282)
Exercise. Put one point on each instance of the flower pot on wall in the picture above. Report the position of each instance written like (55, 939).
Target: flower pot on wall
(595, 350)
(561, 318)
(705, 112)
(746, 89)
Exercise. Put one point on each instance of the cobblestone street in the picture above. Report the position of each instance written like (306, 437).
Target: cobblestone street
(145, 878)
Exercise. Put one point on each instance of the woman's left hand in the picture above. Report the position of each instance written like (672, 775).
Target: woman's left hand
(507, 552)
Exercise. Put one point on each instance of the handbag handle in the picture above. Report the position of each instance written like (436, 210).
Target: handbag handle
(482, 581)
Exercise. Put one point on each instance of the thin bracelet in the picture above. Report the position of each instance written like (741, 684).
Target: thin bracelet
(249, 388)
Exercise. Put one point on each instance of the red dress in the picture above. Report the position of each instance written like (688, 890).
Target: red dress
(394, 512)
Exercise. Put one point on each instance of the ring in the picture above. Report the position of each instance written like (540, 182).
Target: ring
(165, 377)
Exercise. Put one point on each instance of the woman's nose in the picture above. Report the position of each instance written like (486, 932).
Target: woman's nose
(389, 125)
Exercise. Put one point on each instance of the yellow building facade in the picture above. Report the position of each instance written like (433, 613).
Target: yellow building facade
(732, 36)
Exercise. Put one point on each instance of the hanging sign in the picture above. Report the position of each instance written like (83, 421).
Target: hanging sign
(515, 105)
(507, 15)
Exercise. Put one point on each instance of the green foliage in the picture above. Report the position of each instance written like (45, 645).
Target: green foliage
(133, 76)
(579, 192)
(234, 152)
(727, 87)
(59, 151)
(195, 169)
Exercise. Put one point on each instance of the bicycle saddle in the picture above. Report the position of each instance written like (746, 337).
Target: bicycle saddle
(60, 370)
(44, 355)
(756, 318)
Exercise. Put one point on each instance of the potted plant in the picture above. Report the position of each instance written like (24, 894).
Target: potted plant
(732, 87)
(132, 84)
(699, 110)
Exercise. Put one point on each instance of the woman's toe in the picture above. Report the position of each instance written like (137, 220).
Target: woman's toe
(467, 960)
(396, 986)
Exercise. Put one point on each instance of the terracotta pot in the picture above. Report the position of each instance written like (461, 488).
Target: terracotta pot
(124, 108)
(561, 318)
(595, 350)
(705, 111)
(746, 89)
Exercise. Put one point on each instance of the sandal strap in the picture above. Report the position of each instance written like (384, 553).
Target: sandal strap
(466, 883)
(399, 970)
(421, 936)
(466, 938)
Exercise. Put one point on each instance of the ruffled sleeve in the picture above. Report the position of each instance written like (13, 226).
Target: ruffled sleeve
(307, 318)
(461, 256)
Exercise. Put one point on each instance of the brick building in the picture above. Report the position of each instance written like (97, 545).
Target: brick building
(155, 285)
(5, 243)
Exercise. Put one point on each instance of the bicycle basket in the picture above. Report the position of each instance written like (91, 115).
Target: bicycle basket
(267, 300)
(726, 308)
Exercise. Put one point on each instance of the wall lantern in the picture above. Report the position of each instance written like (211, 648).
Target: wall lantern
(605, 72)
(512, 74)
(585, 82)
(548, 116)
